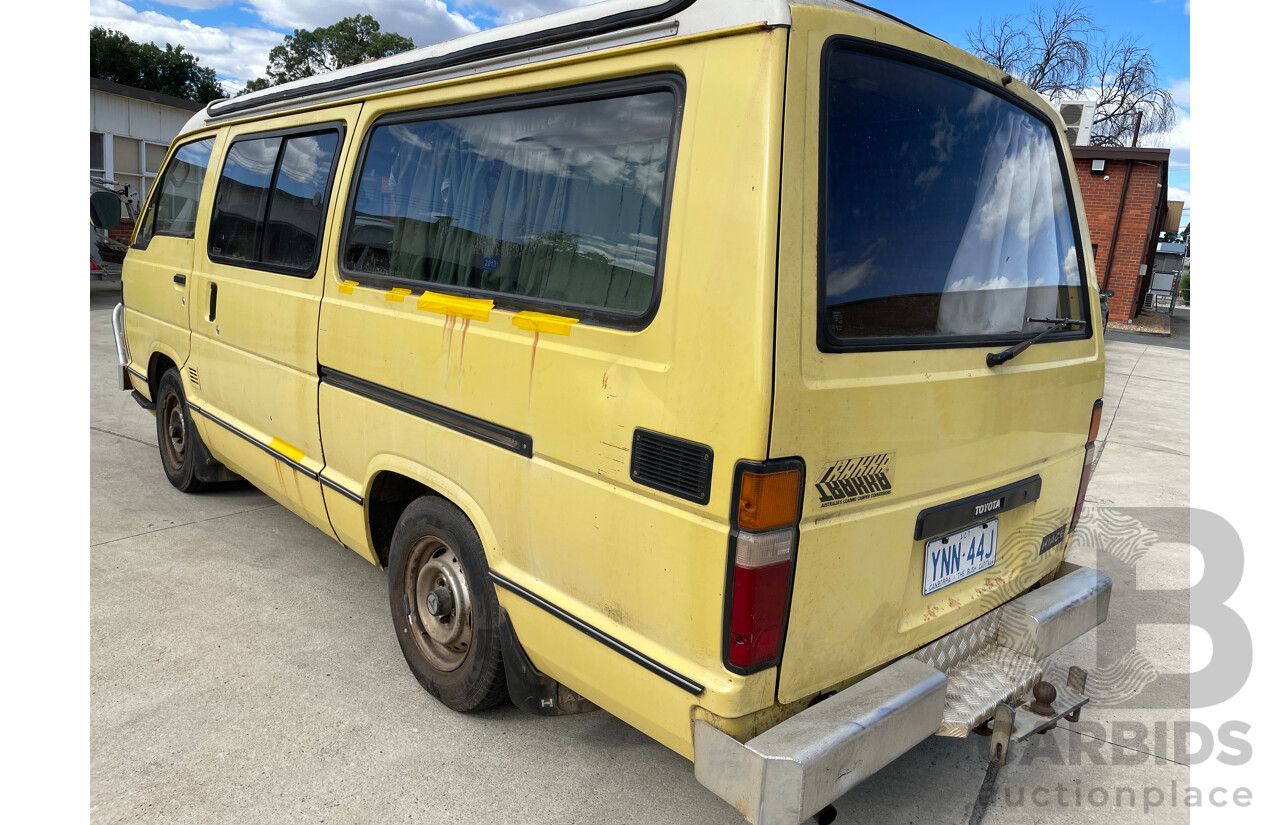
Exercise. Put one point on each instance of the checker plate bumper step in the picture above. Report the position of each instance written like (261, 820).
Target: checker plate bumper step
(796, 768)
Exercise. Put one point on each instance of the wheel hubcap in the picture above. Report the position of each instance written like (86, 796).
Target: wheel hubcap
(175, 427)
(441, 605)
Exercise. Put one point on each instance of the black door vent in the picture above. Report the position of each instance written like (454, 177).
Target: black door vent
(672, 465)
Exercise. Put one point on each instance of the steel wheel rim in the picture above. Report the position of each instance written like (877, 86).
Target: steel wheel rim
(174, 431)
(444, 640)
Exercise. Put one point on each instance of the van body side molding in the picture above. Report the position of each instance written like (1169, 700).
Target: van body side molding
(338, 488)
(495, 434)
(266, 448)
(651, 665)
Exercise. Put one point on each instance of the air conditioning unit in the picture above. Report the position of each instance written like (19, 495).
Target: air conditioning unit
(1077, 115)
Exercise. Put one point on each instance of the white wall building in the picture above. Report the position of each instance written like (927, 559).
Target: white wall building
(130, 131)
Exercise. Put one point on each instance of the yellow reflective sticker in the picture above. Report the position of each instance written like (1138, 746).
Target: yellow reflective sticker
(286, 449)
(397, 294)
(348, 287)
(474, 309)
(542, 322)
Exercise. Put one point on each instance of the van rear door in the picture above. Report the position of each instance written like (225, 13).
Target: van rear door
(929, 214)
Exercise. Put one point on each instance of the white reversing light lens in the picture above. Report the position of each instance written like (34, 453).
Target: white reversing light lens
(763, 549)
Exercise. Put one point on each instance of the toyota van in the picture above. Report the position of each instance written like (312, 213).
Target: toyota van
(733, 366)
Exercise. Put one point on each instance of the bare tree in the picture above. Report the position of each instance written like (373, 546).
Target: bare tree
(1059, 52)
(1128, 87)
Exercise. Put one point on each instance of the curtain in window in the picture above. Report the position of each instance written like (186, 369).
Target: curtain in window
(562, 203)
(1011, 260)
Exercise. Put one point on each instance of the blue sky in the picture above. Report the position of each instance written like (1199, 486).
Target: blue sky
(234, 36)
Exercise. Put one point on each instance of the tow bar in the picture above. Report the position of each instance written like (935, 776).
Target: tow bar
(1015, 724)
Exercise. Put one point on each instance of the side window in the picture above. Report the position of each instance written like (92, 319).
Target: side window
(271, 201)
(172, 211)
(561, 203)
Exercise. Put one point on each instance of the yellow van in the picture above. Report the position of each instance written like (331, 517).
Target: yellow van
(730, 365)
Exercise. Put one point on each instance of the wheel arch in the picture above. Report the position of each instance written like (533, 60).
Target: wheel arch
(395, 481)
(161, 361)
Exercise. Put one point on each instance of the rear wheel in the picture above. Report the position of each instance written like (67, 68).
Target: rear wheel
(444, 606)
(176, 434)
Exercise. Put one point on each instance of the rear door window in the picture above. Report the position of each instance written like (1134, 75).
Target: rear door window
(946, 213)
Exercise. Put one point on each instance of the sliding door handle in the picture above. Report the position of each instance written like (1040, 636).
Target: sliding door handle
(213, 302)
(180, 280)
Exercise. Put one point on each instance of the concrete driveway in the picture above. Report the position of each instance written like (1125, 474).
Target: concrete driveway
(243, 668)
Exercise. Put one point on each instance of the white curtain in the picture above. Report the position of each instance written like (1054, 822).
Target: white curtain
(1010, 244)
(562, 203)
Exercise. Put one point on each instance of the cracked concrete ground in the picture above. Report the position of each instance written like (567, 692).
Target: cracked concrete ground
(242, 668)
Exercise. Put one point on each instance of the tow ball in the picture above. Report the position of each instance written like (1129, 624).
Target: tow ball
(1040, 715)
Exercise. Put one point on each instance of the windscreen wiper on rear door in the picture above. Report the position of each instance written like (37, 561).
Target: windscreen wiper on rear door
(995, 359)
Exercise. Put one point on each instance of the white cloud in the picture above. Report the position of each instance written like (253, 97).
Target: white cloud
(845, 280)
(1180, 88)
(239, 53)
(973, 283)
(235, 52)
(1177, 140)
(196, 4)
(509, 11)
(426, 21)
(1184, 195)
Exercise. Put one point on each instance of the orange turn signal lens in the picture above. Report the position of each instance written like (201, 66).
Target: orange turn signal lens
(768, 500)
(1096, 422)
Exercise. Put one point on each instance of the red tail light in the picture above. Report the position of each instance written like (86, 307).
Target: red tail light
(1086, 472)
(93, 265)
(760, 563)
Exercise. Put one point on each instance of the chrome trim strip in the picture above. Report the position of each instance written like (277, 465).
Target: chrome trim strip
(309, 473)
(651, 665)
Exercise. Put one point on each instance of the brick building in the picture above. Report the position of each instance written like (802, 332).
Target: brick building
(1126, 199)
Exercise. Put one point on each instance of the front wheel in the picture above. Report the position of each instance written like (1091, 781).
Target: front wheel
(444, 606)
(176, 434)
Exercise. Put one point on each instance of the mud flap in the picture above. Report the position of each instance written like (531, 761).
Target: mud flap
(206, 467)
(530, 689)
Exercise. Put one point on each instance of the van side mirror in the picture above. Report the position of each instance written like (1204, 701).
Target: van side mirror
(104, 210)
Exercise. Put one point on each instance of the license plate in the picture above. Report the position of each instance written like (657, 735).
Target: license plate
(958, 556)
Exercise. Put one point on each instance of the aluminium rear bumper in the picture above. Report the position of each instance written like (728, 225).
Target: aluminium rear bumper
(793, 770)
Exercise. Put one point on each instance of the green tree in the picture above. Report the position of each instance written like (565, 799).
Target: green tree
(169, 71)
(1060, 53)
(350, 41)
(255, 85)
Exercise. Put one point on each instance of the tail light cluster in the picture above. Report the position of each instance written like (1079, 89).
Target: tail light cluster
(762, 548)
(1086, 473)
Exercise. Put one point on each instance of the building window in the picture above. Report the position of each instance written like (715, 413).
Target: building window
(97, 162)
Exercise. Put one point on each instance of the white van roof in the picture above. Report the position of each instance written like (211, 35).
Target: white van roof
(574, 31)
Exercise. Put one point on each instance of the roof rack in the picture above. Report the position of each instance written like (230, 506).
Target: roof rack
(599, 25)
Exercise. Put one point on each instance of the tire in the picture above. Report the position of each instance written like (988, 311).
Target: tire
(455, 653)
(177, 436)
